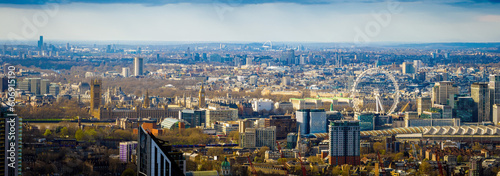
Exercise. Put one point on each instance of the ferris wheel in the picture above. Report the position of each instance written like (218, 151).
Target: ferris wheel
(356, 92)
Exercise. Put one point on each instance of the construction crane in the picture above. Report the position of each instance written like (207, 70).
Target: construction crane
(282, 156)
(441, 173)
(381, 164)
(254, 173)
(304, 171)
(404, 107)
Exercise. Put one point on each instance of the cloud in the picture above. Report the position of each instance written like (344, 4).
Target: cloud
(231, 2)
(489, 18)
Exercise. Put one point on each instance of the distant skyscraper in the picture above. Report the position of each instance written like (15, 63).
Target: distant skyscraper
(4, 50)
(408, 68)
(138, 66)
(249, 61)
(288, 57)
(201, 97)
(125, 72)
(139, 50)
(67, 46)
(40, 43)
(344, 146)
(442, 91)
(480, 94)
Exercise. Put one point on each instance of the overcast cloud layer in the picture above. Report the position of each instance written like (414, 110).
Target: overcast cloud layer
(253, 21)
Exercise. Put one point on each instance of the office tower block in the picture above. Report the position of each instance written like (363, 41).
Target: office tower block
(201, 98)
(408, 68)
(138, 66)
(194, 117)
(247, 138)
(44, 86)
(36, 86)
(496, 114)
(265, 137)
(442, 91)
(288, 57)
(4, 50)
(423, 104)
(284, 124)
(286, 81)
(311, 121)
(344, 139)
(494, 90)
(249, 61)
(481, 96)
(465, 109)
(127, 151)
(366, 121)
(156, 157)
(125, 72)
(54, 89)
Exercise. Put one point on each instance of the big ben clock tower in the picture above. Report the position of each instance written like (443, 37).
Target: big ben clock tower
(201, 97)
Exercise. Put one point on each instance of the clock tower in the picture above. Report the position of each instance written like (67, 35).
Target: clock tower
(201, 97)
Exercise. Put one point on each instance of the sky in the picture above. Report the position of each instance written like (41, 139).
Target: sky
(358, 21)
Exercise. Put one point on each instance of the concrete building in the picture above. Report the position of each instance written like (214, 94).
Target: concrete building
(262, 105)
(494, 90)
(128, 151)
(496, 114)
(423, 104)
(408, 68)
(247, 138)
(138, 66)
(284, 124)
(265, 137)
(220, 114)
(311, 121)
(480, 95)
(344, 147)
(125, 72)
(442, 91)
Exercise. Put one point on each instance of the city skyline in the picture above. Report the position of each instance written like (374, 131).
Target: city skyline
(254, 21)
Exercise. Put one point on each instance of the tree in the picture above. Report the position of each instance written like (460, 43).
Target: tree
(262, 151)
(425, 167)
(64, 132)
(216, 151)
(47, 132)
(234, 135)
(128, 172)
(377, 146)
(79, 135)
(460, 158)
(315, 159)
(399, 156)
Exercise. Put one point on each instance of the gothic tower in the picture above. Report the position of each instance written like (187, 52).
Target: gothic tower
(201, 98)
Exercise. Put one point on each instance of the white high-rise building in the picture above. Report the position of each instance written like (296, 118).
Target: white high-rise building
(138, 66)
(125, 72)
(344, 142)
